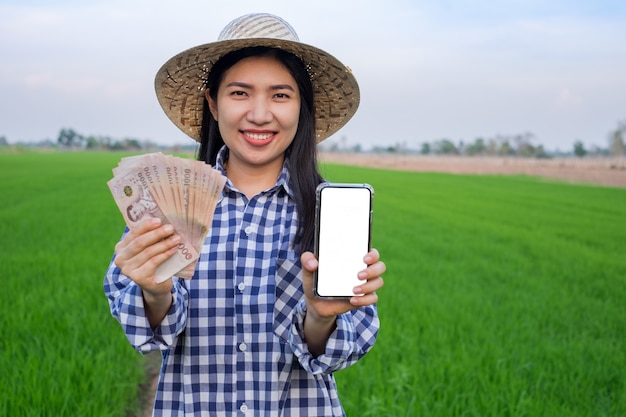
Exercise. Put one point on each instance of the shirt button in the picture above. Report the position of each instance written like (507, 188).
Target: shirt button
(248, 230)
(241, 286)
(243, 408)
(243, 347)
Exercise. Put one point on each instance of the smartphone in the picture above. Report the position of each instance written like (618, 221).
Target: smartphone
(342, 237)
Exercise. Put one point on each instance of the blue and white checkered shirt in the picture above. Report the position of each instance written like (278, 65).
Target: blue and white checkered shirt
(232, 342)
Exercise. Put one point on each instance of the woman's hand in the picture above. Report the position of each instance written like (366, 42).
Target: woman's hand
(322, 313)
(365, 294)
(138, 255)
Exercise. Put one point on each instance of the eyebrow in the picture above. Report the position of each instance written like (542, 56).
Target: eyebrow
(249, 86)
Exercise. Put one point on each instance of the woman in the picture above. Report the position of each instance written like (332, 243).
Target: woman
(246, 335)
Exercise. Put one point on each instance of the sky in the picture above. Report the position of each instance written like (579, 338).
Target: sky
(427, 69)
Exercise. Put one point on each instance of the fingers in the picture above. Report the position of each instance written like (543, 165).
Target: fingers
(375, 267)
(309, 262)
(372, 280)
(147, 260)
(369, 286)
(142, 232)
(372, 256)
(309, 265)
(365, 292)
(144, 248)
(364, 300)
(149, 246)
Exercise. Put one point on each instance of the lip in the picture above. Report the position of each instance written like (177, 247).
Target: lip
(258, 137)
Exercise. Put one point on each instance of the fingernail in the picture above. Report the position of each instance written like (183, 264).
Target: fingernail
(362, 275)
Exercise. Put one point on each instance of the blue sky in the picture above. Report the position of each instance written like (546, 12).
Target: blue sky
(428, 70)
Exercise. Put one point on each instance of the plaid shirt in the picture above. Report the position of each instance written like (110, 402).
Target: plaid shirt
(232, 342)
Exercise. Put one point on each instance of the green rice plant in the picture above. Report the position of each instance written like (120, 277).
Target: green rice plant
(504, 296)
(61, 353)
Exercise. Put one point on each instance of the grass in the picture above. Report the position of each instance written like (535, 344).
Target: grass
(61, 353)
(504, 296)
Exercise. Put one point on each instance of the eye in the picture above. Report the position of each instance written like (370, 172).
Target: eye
(238, 93)
(282, 96)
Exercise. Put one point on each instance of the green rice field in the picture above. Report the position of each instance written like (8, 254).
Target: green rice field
(504, 295)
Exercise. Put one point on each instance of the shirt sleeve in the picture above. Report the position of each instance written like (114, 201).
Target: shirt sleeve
(353, 337)
(127, 306)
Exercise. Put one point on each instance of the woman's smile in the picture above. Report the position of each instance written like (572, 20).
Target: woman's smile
(258, 138)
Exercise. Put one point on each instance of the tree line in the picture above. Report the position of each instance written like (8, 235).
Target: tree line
(70, 139)
(519, 145)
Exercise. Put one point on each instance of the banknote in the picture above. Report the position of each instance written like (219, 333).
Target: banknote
(179, 191)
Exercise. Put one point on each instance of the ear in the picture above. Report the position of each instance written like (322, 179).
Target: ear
(212, 103)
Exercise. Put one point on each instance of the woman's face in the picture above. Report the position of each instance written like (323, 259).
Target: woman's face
(257, 108)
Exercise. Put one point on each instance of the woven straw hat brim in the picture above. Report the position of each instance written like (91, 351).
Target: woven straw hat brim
(180, 83)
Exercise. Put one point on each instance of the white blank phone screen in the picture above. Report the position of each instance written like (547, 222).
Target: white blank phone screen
(343, 239)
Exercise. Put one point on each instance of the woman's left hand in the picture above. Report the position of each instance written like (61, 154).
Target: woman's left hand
(365, 294)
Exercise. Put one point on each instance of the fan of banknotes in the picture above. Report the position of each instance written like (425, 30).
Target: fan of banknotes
(181, 192)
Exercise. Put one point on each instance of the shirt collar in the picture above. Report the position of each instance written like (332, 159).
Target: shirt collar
(281, 182)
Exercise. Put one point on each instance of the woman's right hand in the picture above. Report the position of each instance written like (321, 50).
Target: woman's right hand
(142, 250)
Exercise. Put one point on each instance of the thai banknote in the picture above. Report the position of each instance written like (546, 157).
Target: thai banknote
(181, 192)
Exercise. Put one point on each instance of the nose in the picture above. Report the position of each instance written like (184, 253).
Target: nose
(260, 111)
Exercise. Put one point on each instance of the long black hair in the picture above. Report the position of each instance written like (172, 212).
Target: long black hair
(301, 155)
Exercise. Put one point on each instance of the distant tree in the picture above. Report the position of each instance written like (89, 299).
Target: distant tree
(541, 153)
(616, 140)
(446, 147)
(131, 144)
(492, 147)
(598, 151)
(92, 142)
(343, 140)
(70, 139)
(425, 148)
(149, 145)
(116, 146)
(476, 148)
(334, 147)
(505, 148)
(524, 146)
(3, 141)
(106, 142)
(579, 149)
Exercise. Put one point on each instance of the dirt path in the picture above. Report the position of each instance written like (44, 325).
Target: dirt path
(609, 172)
(148, 389)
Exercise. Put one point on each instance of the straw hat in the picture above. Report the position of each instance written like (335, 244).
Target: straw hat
(181, 80)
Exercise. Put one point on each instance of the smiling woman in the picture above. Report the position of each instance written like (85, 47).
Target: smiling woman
(247, 329)
(257, 111)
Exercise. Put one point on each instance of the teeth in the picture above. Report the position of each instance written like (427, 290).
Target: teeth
(259, 136)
